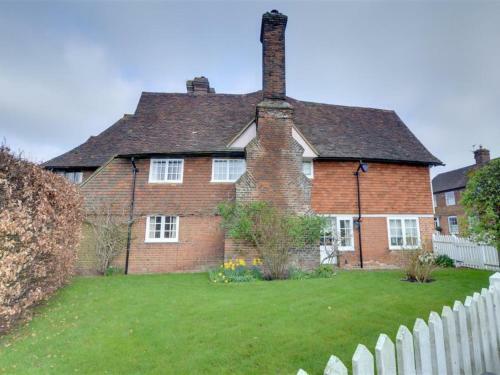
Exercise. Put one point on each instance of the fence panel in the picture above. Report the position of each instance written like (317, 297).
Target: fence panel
(466, 253)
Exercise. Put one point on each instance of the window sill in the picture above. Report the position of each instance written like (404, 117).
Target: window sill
(162, 241)
(165, 182)
(402, 248)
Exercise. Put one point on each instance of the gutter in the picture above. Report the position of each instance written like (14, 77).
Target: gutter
(131, 213)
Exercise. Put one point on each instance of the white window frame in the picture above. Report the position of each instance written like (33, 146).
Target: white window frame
(214, 160)
(437, 222)
(434, 200)
(449, 226)
(162, 239)
(403, 229)
(312, 168)
(73, 174)
(338, 218)
(153, 180)
(449, 196)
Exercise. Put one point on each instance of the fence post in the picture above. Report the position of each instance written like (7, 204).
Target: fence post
(477, 359)
(483, 327)
(384, 356)
(436, 335)
(463, 338)
(491, 328)
(404, 352)
(422, 344)
(362, 361)
(335, 367)
(450, 341)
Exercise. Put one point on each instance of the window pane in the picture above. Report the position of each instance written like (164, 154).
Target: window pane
(411, 232)
(345, 232)
(220, 170)
(396, 232)
(159, 167)
(453, 225)
(170, 226)
(327, 232)
(450, 198)
(236, 168)
(154, 227)
(174, 170)
(307, 168)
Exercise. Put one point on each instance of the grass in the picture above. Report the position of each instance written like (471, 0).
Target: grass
(183, 324)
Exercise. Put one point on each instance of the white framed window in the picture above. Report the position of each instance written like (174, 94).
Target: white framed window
(162, 228)
(450, 198)
(166, 170)
(227, 170)
(404, 233)
(436, 222)
(74, 177)
(307, 168)
(452, 224)
(338, 229)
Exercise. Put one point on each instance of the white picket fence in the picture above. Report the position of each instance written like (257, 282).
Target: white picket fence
(463, 340)
(466, 253)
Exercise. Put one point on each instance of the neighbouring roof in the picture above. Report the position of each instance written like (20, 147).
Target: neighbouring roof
(452, 180)
(183, 123)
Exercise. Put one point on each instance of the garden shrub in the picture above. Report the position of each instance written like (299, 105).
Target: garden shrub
(323, 271)
(274, 233)
(237, 271)
(418, 265)
(444, 261)
(40, 219)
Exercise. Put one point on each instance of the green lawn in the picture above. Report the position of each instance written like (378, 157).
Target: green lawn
(183, 324)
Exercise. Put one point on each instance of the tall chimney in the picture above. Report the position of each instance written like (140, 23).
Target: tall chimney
(482, 155)
(272, 37)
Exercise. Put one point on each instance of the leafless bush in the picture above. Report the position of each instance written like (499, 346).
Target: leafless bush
(40, 221)
(108, 220)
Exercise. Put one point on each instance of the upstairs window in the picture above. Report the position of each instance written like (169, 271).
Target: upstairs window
(307, 168)
(227, 170)
(450, 198)
(453, 224)
(166, 170)
(74, 177)
(162, 228)
(403, 233)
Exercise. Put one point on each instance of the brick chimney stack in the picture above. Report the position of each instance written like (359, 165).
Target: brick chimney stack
(482, 155)
(199, 86)
(272, 37)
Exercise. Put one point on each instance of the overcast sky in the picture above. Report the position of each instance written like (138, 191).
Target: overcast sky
(68, 70)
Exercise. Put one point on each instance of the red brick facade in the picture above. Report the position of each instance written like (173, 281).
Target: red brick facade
(443, 211)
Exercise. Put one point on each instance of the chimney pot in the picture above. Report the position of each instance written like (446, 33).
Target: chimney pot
(272, 37)
(482, 155)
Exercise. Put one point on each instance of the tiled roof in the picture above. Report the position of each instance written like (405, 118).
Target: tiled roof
(456, 179)
(184, 123)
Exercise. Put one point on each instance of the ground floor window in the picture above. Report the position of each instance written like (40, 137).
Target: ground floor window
(452, 224)
(403, 233)
(436, 223)
(74, 177)
(338, 231)
(162, 228)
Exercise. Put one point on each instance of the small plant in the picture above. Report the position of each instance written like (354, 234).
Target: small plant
(111, 271)
(418, 265)
(236, 270)
(444, 261)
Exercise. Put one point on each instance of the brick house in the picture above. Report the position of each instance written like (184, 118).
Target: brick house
(448, 187)
(180, 154)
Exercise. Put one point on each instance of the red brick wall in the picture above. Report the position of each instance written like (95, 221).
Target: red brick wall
(387, 189)
(442, 211)
(201, 241)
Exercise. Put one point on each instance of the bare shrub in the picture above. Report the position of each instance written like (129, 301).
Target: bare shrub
(418, 265)
(108, 220)
(40, 220)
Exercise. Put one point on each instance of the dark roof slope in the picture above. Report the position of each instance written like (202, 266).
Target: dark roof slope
(182, 123)
(451, 180)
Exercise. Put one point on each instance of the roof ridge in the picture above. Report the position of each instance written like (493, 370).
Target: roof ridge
(342, 106)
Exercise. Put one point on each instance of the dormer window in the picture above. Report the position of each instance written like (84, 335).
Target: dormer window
(307, 168)
(227, 170)
(74, 177)
(166, 170)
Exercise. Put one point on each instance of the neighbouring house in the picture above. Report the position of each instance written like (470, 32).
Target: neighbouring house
(447, 188)
(180, 154)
